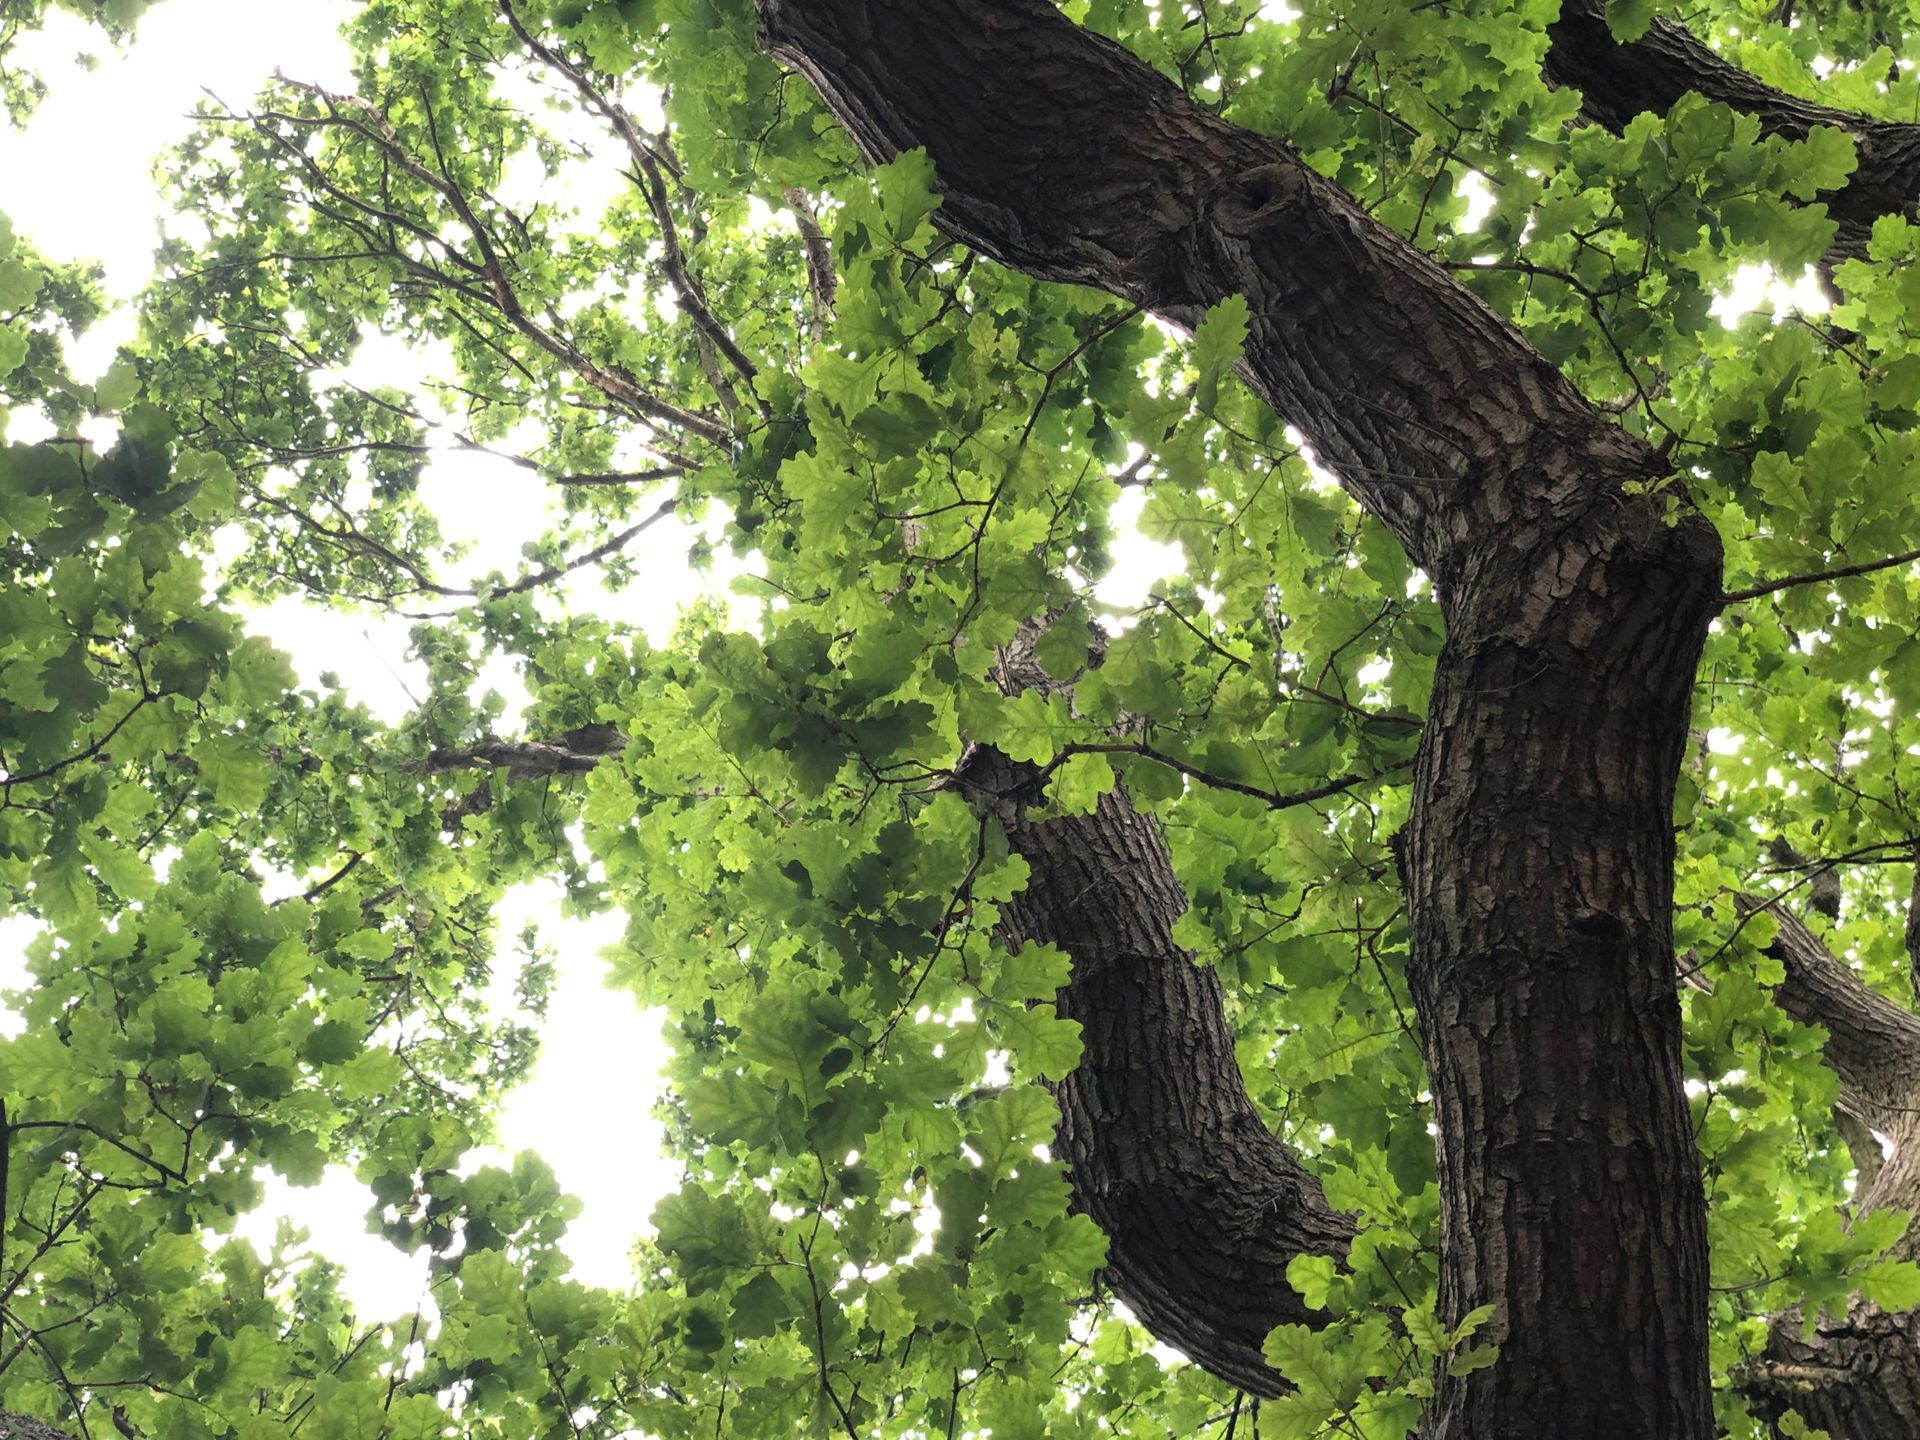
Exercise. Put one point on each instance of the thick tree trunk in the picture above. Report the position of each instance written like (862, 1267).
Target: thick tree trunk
(1538, 864)
(1538, 867)
(1202, 1206)
(1618, 82)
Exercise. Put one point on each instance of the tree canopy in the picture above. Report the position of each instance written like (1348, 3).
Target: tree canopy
(1045, 978)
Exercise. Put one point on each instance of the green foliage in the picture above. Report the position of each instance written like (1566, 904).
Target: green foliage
(263, 920)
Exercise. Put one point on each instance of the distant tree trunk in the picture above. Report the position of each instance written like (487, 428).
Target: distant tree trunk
(25, 1427)
(1576, 583)
(1856, 1376)
(1618, 82)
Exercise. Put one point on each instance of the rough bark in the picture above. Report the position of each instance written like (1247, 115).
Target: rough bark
(1538, 862)
(574, 753)
(25, 1427)
(1202, 1206)
(1618, 82)
(1538, 867)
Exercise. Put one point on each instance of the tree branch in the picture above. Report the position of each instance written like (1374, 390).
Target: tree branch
(1873, 1044)
(1618, 81)
(653, 189)
(822, 282)
(1152, 198)
(360, 117)
(1275, 799)
(1868, 567)
(573, 753)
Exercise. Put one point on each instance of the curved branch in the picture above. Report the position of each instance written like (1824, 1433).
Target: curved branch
(1854, 1376)
(1060, 154)
(1203, 1207)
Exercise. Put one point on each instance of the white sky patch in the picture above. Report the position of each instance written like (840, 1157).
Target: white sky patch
(1755, 286)
(592, 176)
(368, 653)
(489, 506)
(1138, 562)
(1480, 200)
(16, 933)
(78, 180)
(381, 1281)
(587, 1108)
(380, 361)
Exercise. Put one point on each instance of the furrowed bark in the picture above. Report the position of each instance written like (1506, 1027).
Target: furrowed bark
(1538, 860)
(1858, 1376)
(1618, 82)
(1202, 1206)
(1538, 866)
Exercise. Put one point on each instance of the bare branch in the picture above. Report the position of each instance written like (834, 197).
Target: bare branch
(1754, 592)
(360, 117)
(1278, 800)
(653, 189)
(822, 282)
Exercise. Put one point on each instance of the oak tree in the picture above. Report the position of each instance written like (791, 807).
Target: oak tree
(1372, 986)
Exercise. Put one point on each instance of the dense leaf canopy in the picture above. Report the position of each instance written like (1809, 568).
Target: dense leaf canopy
(264, 916)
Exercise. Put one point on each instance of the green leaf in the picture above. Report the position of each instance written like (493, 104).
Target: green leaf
(907, 196)
(118, 388)
(1218, 342)
(1628, 20)
(19, 284)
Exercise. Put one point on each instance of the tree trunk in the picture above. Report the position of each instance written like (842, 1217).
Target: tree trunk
(1538, 862)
